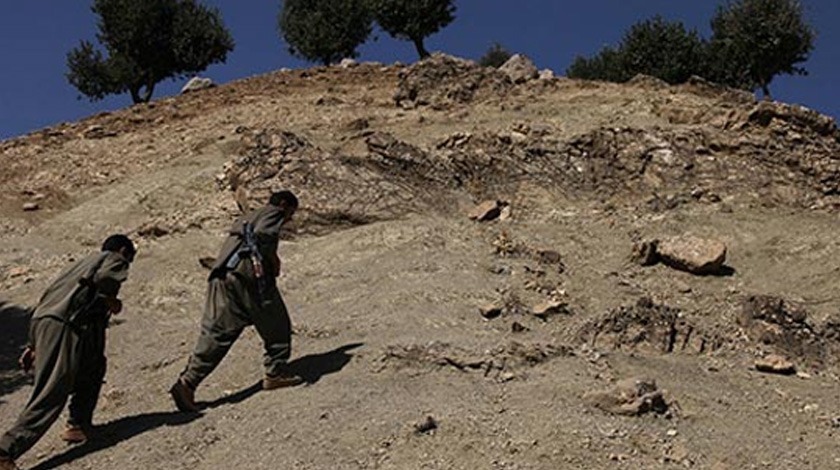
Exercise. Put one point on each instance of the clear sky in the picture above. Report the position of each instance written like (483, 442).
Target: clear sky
(36, 35)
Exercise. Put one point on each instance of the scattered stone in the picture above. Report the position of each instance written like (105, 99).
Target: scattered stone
(693, 254)
(682, 287)
(348, 63)
(357, 125)
(501, 270)
(549, 308)
(546, 74)
(505, 214)
(648, 81)
(549, 257)
(97, 132)
(644, 253)
(426, 427)
(519, 69)
(327, 100)
(486, 211)
(31, 206)
(207, 262)
(154, 230)
(491, 311)
(517, 327)
(629, 397)
(196, 84)
(678, 453)
(18, 271)
(775, 364)
(505, 245)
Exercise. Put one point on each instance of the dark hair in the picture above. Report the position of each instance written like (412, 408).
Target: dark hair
(285, 197)
(117, 242)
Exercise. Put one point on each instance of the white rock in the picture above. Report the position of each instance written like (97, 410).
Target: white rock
(347, 63)
(520, 68)
(197, 83)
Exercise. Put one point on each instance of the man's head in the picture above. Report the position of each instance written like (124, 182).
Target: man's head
(285, 200)
(120, 244)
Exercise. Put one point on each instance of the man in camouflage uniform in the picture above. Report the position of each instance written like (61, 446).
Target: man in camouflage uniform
(67, 347)
(242, 291)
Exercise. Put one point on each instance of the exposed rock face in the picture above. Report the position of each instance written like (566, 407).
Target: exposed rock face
(625, 165)
(441, 80)
(647, 327)
(783, 327)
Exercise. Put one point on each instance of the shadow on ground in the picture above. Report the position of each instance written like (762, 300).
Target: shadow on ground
(13, 336)
(315, 366)
(312, 368)
(114, 432)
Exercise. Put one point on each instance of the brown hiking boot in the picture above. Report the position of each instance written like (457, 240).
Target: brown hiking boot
(184, 397)
(282, 380)
(6, 463)
(74, 435)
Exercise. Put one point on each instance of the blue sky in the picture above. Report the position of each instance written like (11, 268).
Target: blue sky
(35, 37)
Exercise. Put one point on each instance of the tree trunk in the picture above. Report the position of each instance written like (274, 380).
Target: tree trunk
(765, 89)
(137, 97)
(147, 96)
(135, 94)
(421, 49)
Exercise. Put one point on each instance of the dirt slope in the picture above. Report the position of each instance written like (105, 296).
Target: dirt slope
(384, 273)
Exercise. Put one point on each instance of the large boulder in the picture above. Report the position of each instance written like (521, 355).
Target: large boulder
(520, 68)
(693, 254)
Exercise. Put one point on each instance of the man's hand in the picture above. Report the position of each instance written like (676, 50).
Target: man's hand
(114, 305)
(27, 359)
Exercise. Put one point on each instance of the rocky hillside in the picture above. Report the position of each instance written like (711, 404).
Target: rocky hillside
(491, 269)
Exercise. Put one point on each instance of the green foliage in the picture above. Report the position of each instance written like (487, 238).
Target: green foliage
(413, 20)
(325, 31)
(652, 47)
(664, 50)
(495, 57)
(755, 40)
(147, 42)
(606, 65)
